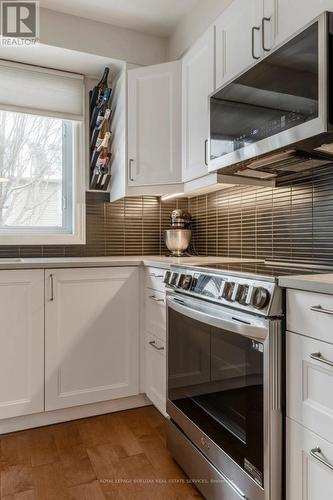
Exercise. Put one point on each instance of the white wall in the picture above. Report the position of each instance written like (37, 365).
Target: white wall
(76, 33)
(193, 25)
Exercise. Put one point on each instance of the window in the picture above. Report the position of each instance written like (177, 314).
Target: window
(41, 167)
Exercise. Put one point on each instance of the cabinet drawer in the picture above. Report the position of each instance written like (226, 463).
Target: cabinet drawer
(155, 371)
(309, 475)
(155, 313)
(155, 279)
(310, 314)
(310, 383)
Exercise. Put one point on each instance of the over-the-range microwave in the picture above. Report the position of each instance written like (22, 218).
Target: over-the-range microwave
(275, 119)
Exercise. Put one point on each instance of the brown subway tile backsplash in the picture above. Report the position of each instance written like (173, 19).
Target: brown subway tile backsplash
(291, 222)
(131, 226)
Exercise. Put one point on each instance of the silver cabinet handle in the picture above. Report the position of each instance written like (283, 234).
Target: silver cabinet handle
(153, 344)
(153, 275)
(320, 309)
(51, 288)
(254, 28)
(153, 297)
(206, 144)
(264, 20)
(319, 357)
(316, 453)
(130, 169)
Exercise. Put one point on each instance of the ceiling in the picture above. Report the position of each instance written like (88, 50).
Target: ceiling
(157, 17)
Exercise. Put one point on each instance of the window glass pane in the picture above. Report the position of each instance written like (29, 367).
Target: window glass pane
(35, 171)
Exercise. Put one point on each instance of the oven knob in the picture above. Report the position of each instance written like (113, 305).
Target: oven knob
(242, 294)
(260, 297)
(186, 284)
(181, 281)
(228, 290)
(167, 277)
(174, 279)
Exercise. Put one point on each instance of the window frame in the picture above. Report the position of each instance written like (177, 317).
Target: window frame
(52, 236)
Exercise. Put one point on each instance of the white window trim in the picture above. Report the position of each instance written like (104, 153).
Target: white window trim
(78, 234)
(51, 236)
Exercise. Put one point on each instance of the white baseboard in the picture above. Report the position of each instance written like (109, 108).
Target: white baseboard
(64, 415)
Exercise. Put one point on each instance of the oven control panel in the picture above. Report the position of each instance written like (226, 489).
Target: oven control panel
(243, 293)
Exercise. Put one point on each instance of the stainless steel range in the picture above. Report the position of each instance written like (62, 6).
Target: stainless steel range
(224, 378)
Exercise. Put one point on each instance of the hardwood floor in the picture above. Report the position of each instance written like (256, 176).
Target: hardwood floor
(118, 456)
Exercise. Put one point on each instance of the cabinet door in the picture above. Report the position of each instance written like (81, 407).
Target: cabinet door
(155, 371)
(309, 476)
(22, 342)
(198, 82)
(309, 383)
(92, 335)
(238, 38)
(287, 17)
(154, 124)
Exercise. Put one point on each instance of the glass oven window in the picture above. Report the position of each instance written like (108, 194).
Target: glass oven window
(276, 94)
(215, 377)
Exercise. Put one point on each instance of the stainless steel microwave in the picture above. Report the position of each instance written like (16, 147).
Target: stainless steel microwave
(276, 117)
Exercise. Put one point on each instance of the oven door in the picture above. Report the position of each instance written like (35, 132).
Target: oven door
(216, 392)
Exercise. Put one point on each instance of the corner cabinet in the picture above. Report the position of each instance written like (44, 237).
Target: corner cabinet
(22, 343)
(91, 335)
(198, 81)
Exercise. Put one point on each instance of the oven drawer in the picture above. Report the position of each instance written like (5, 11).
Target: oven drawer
(310, 383)
(210, 481)
(155, 313)
(154, 278)
(309, 471)
(310, 314)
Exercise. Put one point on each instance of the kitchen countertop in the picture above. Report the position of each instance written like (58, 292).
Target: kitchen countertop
(320, 283)
(137, 260)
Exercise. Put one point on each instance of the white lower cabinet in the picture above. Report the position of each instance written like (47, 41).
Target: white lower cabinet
(310, 383)
(155, 371)
(309, 464)
(22, 342)
(91, 335)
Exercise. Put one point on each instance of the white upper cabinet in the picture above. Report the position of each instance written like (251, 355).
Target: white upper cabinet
(238, 38)
(198, 77)
(22, 343)
(91, 335)
(154, 125)
(285, 17)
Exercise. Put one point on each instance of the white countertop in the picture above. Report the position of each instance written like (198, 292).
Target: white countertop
(136, 260)
(321, 283)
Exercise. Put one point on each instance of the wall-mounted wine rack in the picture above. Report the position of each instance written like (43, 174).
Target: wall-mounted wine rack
(100, 138)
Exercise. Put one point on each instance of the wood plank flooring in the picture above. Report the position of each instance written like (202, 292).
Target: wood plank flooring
(118, 456)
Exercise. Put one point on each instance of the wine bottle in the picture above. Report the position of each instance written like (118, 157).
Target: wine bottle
(103, 83)
(100, 88)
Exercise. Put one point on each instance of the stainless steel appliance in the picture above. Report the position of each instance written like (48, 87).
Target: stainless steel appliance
(178, 237)
(224, 377)
(275, 119)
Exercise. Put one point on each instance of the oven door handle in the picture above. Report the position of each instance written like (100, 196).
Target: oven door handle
(217, 319)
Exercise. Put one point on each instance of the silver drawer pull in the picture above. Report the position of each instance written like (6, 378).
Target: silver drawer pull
(316, 453)
(319, 357)
(52, 288)
(153, 297)
(153, 275)
(320, 309)
(153, 344)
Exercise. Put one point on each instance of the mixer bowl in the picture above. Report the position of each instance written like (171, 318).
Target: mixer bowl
(177, 240)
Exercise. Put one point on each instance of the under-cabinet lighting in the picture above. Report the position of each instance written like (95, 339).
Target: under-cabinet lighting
(171, 196)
